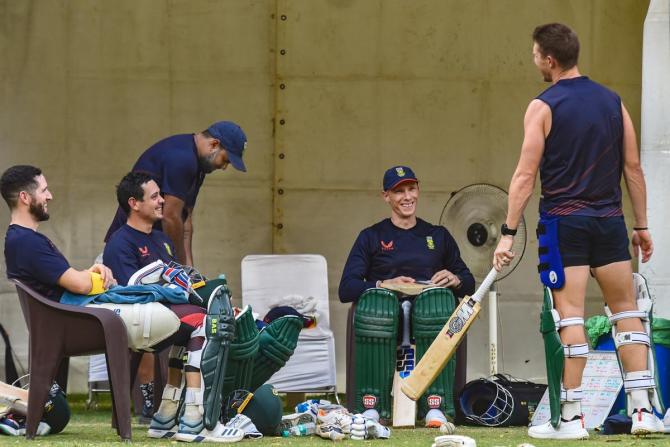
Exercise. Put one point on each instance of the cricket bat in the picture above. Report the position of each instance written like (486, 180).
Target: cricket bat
(444, 346)
(410, 289)
(404, 408)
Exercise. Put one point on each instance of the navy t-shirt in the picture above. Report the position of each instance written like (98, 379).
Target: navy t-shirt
(32, 258)
(173, 164)
(384, 251)
(128, 250)
(582, 163)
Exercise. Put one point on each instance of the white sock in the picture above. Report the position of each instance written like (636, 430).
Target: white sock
(191, 406)
(570, 409)
(639, 398)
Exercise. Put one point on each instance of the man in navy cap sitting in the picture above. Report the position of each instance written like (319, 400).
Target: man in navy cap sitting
(402, 249)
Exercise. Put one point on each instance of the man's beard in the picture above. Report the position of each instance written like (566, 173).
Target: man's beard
(206, 162)
(37, 210)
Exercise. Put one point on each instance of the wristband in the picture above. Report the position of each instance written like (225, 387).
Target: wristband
(640, 228)
(97, 285)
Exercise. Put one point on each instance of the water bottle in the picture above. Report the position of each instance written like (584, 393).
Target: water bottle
(306, 429)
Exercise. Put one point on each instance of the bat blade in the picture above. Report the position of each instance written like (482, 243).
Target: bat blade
(441, 350)
(404, 408)
(444, 346)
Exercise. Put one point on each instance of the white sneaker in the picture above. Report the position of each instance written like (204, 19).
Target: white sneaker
(221, 433)
(645, 422)
(666, 421)
(435, 418)
(566, 430)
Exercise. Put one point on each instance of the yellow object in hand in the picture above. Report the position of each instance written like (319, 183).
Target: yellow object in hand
(98, 286)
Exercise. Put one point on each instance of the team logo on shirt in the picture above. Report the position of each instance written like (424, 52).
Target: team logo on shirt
(430, 243)
(144, 251)
(400, 171)
(167, 248)
(387, 246)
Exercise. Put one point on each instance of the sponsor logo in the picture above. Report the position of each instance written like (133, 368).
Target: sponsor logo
(458, 320)
(387, 246)
(167, 248)
(553, 277)
(144, 251)
(434, 401)
(430, 243)
(400, 172)
(369, 401)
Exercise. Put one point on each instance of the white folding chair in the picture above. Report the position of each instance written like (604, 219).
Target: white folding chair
(300, 281)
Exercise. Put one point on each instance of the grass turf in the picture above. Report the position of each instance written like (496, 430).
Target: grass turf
(92, 428)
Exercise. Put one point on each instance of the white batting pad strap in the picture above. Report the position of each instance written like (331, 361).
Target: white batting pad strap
(193, 397)
(199, 332)
(194, 358)
(631, 338)
(638, 380)
(573, 395)
(641, 314)
(572, 321)
(171, 393)
(579, 350)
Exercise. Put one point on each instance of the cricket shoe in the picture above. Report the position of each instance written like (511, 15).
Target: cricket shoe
(162, 427)
(435, 418)
(220, 433)
(573, 429)
(645, 422)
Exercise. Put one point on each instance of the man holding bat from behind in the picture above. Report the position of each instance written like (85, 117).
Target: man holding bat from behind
(580, 137)
(401, 252)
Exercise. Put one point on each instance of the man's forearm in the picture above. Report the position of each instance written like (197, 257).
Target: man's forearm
(637, 189)
(520, 190)
(174, 228)
(188, 238)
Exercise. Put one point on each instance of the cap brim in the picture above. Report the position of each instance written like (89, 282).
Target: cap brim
(400, 182)
(236, 161)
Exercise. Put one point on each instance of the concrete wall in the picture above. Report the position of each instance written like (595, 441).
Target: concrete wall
(330, 93)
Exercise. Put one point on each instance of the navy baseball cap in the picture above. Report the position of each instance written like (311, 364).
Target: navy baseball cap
(233, 140)
(397, 175)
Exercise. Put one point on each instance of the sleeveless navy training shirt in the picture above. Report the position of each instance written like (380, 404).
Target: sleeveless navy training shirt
(583, 155)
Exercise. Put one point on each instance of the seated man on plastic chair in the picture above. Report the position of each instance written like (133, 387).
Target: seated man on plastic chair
(140, 254)
(32, 258)
(402, 249)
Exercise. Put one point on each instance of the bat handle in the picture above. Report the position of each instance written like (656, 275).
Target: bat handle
(485, 285)
(406, 306)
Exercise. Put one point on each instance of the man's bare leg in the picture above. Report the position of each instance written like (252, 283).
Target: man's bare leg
(569, 301)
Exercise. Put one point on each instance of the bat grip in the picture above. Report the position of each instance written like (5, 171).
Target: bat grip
(485, 285)
(406, 306)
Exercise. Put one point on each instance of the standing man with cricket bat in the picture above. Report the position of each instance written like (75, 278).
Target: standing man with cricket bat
(580, 137)
(397, 252)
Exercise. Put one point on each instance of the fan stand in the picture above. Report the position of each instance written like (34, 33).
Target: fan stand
(493, 330)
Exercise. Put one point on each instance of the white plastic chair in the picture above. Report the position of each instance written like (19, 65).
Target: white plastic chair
(296, 280)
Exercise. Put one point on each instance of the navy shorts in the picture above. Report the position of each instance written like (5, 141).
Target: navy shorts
(592, 241)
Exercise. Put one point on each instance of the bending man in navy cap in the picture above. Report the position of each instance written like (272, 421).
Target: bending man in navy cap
(402, 249)
(178, 164)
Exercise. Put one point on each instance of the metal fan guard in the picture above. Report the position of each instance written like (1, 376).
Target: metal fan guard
(473, 215)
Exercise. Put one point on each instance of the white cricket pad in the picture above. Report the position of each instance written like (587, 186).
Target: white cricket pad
(146, 324)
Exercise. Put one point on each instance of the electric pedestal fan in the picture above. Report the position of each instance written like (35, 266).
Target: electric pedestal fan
(473, 215)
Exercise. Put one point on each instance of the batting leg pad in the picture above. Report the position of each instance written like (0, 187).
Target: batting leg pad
(431, 310)
(555, 354)
(646, 379)
(277, 341)
(219, 332)
(243, 349)
(375, 335)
